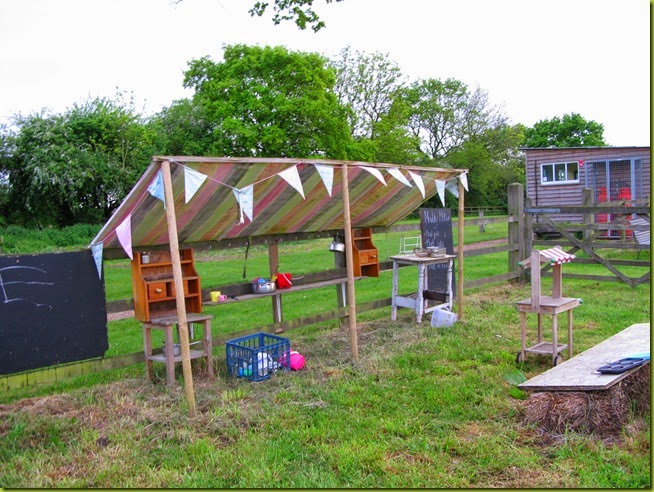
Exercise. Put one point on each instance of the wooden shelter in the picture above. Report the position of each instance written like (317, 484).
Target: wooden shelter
(201, 202)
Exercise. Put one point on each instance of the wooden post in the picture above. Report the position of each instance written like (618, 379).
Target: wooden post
(516, 212)
(460, 241)
(587, 200)
(349, 259)
(341, 289)
(482, 226)
(273, 265)
(179, 287)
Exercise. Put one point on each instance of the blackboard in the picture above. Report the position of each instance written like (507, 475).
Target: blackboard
(436, 230)
(52, 310)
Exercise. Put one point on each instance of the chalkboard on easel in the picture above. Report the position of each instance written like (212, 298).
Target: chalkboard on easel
(436, 231)
(52, 310)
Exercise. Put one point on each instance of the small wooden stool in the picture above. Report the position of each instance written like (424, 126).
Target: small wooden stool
(166, 323)
(551, 305)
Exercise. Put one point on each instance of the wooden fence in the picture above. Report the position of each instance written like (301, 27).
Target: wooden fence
(521, 239)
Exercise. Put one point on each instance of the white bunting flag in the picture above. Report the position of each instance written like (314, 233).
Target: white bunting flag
(292, 177)
(96, 250)
(245, 199)
(156, 188)
(327, 176)
(124, 234)
(397, 174)
(192, 182)
(453, 187)
(464, 180)
(417, 179)
(376, 173)
(440, 187)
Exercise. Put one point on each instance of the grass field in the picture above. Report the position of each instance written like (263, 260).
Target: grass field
(422, 407)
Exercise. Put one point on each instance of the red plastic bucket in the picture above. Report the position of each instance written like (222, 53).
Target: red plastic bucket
(283, 280)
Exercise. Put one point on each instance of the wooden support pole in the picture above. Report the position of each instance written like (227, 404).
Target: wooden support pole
(349, 259)
(179, 287)
(460, 241)
(273, 265)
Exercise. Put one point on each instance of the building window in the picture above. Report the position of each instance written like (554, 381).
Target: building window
(559, 173)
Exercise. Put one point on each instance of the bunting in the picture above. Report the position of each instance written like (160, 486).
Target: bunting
(292, 177)
(397, 174)
(440, 187)
(96, 250)
(192, 182)
(327, 176)
(124, 234)
(464, 180)
(376, 173)
(417, 179)
(245, 199)
(156, 188)
(452, 187)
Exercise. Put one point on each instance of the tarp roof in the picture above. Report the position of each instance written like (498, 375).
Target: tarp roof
(213, 213)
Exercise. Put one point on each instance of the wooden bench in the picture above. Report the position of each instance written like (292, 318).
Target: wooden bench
(580, 372)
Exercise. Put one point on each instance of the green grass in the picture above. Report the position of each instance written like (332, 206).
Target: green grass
(422, 407)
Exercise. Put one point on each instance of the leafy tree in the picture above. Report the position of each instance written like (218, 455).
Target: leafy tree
(572, 130)
(269, 102)
(299, 11)
(446, 115)
(73, 167)
(367, 84)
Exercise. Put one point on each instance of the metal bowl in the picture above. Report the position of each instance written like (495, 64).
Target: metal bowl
(263, 287)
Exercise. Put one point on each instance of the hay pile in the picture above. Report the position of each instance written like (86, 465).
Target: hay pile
(603, 413)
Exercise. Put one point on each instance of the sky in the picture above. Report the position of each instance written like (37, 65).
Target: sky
(536, 59)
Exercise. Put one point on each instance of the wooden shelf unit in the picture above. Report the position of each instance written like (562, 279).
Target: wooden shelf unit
(154, 288)
(365, 255)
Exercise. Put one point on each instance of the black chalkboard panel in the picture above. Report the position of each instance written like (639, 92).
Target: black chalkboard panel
(436, 230)
(52, 310)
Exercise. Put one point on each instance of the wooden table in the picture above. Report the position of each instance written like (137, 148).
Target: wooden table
(166, 323)
(419, 303)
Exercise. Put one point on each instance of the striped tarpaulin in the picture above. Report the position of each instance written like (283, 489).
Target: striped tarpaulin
(213, 213)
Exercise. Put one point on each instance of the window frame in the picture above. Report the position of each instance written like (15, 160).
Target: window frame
(555, 167)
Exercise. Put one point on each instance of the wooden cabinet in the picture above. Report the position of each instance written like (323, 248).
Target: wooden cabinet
(365, 256)
(154, 288)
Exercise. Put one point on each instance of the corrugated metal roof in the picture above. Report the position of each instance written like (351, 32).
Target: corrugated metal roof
(213, 213)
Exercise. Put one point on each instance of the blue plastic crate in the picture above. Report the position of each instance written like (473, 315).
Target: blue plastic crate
(257, 356)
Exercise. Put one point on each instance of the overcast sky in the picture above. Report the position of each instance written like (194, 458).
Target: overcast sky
(536, 59)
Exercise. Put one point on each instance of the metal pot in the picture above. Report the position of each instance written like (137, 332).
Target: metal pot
(337, 246)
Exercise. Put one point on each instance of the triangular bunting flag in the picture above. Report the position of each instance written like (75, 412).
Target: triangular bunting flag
(292, 177)
(440, 187)
(156, 188)
(397, 174)
(124, 234)
(245, 199)
(417, 179)
(327, 176)
(376, 173)
(464, 180)
(192, 182)
(96, 250)
(453, 187)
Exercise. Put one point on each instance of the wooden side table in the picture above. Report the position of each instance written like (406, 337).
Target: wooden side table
(166, 324)
(418, 303)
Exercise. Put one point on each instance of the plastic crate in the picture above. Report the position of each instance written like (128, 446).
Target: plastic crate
(257, 356)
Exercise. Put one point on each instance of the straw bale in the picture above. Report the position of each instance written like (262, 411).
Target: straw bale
(600, 412)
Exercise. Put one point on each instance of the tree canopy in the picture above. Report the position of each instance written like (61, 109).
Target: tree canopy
(298, 11)
(572, 130)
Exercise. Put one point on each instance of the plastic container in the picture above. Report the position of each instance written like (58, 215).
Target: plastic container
(258, 356)
(263, 287)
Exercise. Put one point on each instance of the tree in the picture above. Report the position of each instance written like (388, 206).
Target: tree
(299, 11)
(446, 114)
(74, 167)
(572, 130)
(264, 102)
(367, 84)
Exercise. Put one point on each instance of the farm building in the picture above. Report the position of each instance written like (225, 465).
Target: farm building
(557, 176)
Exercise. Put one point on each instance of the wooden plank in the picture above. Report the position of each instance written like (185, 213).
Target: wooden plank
(580, 372)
